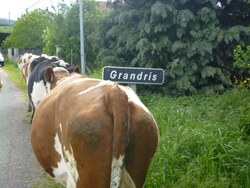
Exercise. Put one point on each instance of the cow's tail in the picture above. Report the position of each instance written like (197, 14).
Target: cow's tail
(119, 108)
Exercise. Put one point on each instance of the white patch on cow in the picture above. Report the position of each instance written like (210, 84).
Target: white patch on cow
(65, 79)
(66, 172)
(96, 86)
(48, 57)
(60, 69)
(48, 87)
(132, 97)
(39, 91)
(27, 80)
(116, 172)
(79, 80)
(21, 60)
(60, 127)
(20, 65)
(60, 62)
(32, 58)
(63, 63)
(26, 56)
(31, 61)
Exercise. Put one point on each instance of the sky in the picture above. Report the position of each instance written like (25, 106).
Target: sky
(15, 8)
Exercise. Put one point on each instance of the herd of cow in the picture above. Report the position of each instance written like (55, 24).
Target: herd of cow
(87, 132)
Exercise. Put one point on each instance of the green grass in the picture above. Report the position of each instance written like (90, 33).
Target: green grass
(14, 73)
(204, 140)
(5, 29)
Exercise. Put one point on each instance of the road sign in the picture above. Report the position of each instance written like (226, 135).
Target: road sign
(133, 75)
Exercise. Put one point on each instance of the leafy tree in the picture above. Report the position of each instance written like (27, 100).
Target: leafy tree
(65, 32)
(189, 39)
(28, 30)
(56, 33)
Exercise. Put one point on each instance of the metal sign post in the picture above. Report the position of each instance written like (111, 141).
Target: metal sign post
(133, 86)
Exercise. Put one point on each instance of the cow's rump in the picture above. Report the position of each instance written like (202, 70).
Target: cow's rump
(94, 133)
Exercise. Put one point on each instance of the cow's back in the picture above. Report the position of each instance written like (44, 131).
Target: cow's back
(81, 127)
(78, 117)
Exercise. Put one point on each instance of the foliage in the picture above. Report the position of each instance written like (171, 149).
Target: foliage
(188, 39)
(242, 57)
(56, 34)
(28, 30)
(3, 35)
(204, 141)
(65, 32)
(242, 63)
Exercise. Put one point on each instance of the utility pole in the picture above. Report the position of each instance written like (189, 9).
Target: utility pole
(82, 37)
(9, 24)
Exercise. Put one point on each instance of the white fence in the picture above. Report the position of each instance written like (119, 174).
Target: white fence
(13, 53)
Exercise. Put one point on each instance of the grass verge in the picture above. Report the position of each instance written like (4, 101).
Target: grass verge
(15, 75)
(204, 141)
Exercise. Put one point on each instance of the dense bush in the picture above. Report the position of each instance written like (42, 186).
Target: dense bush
(191, 40)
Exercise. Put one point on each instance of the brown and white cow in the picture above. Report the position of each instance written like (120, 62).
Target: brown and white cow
(93, 133)
(24, 63)
(23, 59)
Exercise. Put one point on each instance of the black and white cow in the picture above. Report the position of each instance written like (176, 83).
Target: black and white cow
(38, 87)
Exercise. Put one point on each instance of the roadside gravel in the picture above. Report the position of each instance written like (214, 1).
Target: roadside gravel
(19, 168)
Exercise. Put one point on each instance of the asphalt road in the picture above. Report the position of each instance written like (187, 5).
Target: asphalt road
(18, 166)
